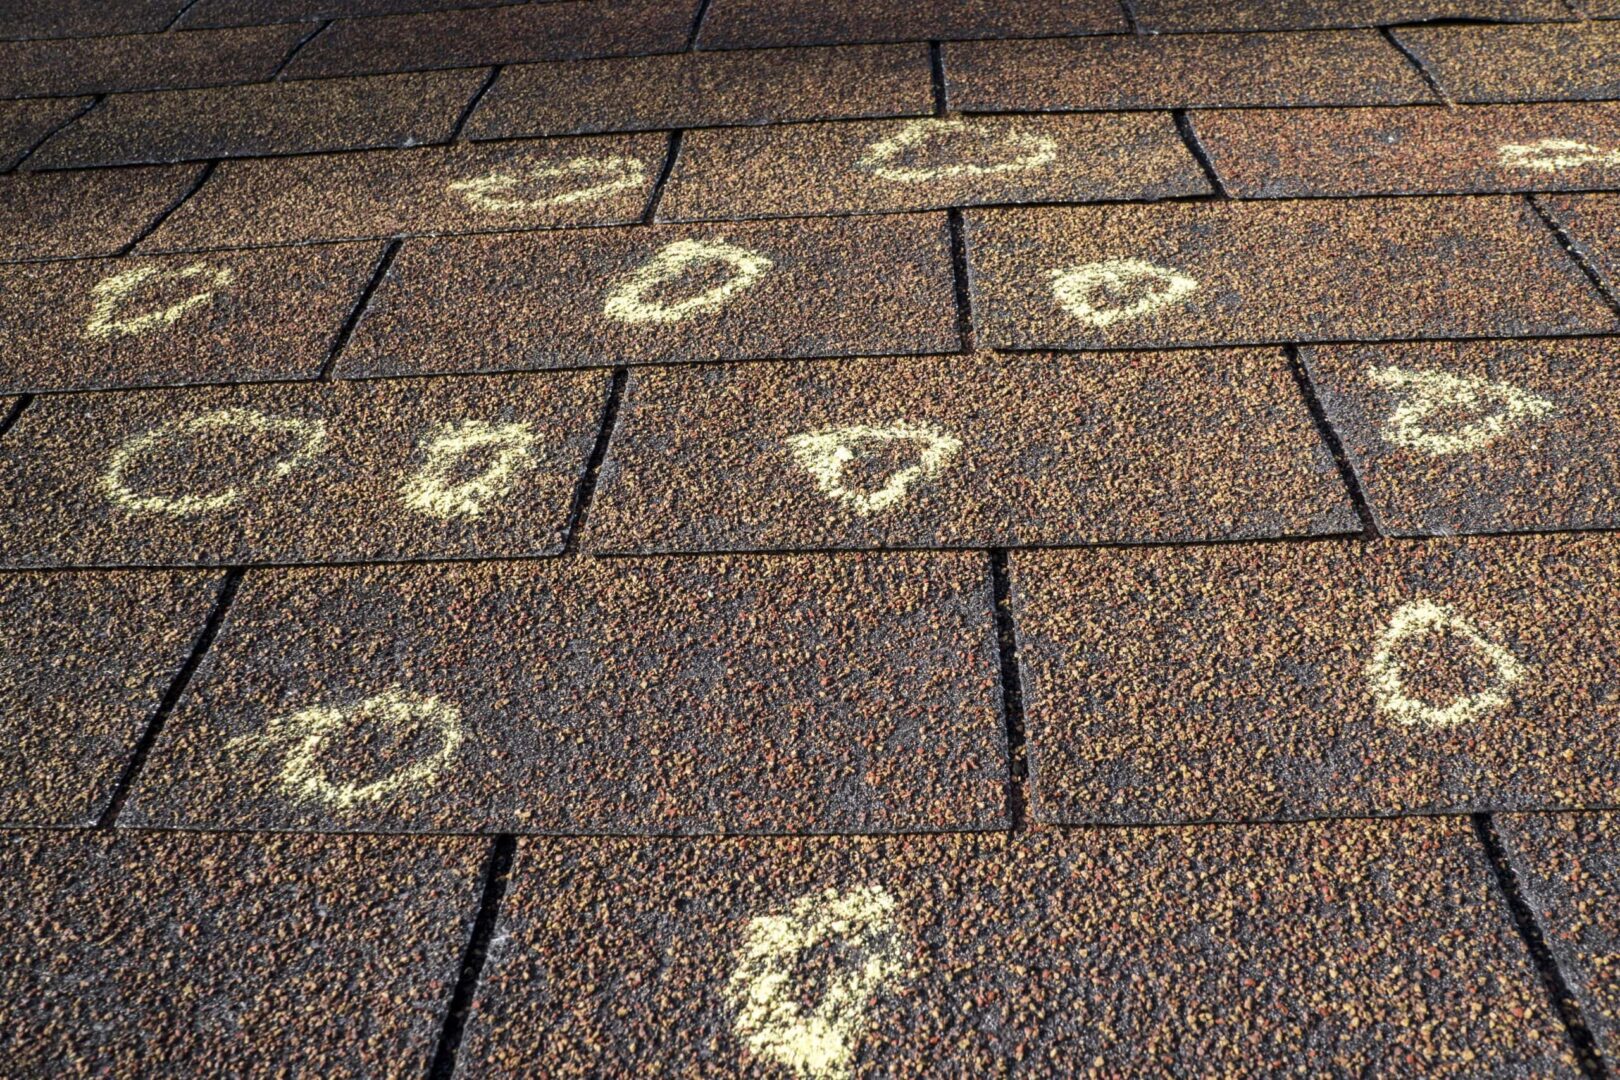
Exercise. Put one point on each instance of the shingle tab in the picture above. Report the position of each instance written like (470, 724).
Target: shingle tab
(1488, 436)
(489, 187)
(123, 954)
(743, 24)
(23, 124)
(1347, 67)
(1520, 63)
(1233, 273)
(1203, 16)
(96, 212)
(85, 659)
(1591, 222)
(702, 89)
(144, 61)
(924, 164)
(1287, 153)
(256, 12)
(689, 696)
(232, 316)
(565, 30)
(1110, 952)
(981, 451)
(264, 118)
(831, 287)
(1299, 680)
(298, 473)
(85, 18)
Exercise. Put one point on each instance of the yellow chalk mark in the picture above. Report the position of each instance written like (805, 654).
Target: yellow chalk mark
(311, 436)
(826, 454)
(112, 292)
(300, 737)
(1423, 394)
(600, 176)
(628, 300)
(884, 157)
(1551, 155)
(1084, 291)
(771, 1021)
(1411, 622)
(432, 489)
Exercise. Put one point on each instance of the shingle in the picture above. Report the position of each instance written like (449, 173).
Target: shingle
(97, 212)
(85, 659)
(981, 451)
(1482, 436)
(1569, 868)
(236, 316)
(1237, 273)
(1590, 221)
(23, 124)
(1284, 153)
(264, 118)
(125, 954)
(1520, 63)
(1203, 16)
(1201, 951)
(1348, 67)
(256, 12)
(829, 287)
(297, 473)
(701, 89)
(1300, 680)
(888, 165)
(743, 24)
(654, 696)
(569, 30)
(85, 18)
(143, 61)
(487, 187)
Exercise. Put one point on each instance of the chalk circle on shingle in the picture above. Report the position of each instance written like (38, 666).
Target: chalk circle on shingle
(308, 437)
(1386, 673)
(468, 464)
(1551, 155)
(891, 158)
(630, 299)
(1480, 410)
(827, 456)
(116, 291)
(340, 732)
(499, 191)
(1103, 293)
(769, 994)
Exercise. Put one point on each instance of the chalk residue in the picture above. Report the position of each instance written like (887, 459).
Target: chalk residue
(595, 178)
(826, 454)
(1024, 152)
(110, 293)
(1423, 394)
(433, 490)
(1411, 623)
(628, 302)
(1084, 291)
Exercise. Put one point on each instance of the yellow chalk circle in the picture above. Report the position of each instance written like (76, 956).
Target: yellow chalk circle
(1083, 291)
(1411, 623)
(433, 489)
(771, 1021)
(885, 157)
(1550, 155)
(628, 300)
(598, 177)
(1423, 394)
(112, 292)
(311, 436)
(300, 737)
(826, 454)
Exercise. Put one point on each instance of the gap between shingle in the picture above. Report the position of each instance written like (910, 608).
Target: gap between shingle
(497, 872)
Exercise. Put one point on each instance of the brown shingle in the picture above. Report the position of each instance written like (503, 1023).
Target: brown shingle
(85, 18)
(1520, 63)
(97, 212)
(24, 123)
(264, 118)
(255, 12)
(703, 89)
(889, 165)
(742, 24)
(1349, 67)
(800, 694)
(1591, 222)
(980, 451)
(143, 61)
(1202, 16)
(1300, 680)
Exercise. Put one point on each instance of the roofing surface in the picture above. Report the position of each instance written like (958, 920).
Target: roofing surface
(810, 538)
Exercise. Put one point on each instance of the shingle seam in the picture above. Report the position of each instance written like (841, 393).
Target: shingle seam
(1575, 251)
(1012, 691)
(497, 873)
(1184, 127)
(1330, 438)
(697, 25)
(475, 101)
(1131, 19)
(177, 687)
(1535, 940)
(962, 274)
(298, 47)
(936, 71)
(13, 414)
(346, 331)
(671, 157)
(181, 14)
(163, 215)
(1429, 77)
(586, 491)
(45, 138)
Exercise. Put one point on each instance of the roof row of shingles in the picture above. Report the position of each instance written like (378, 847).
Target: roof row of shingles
(702, 689)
